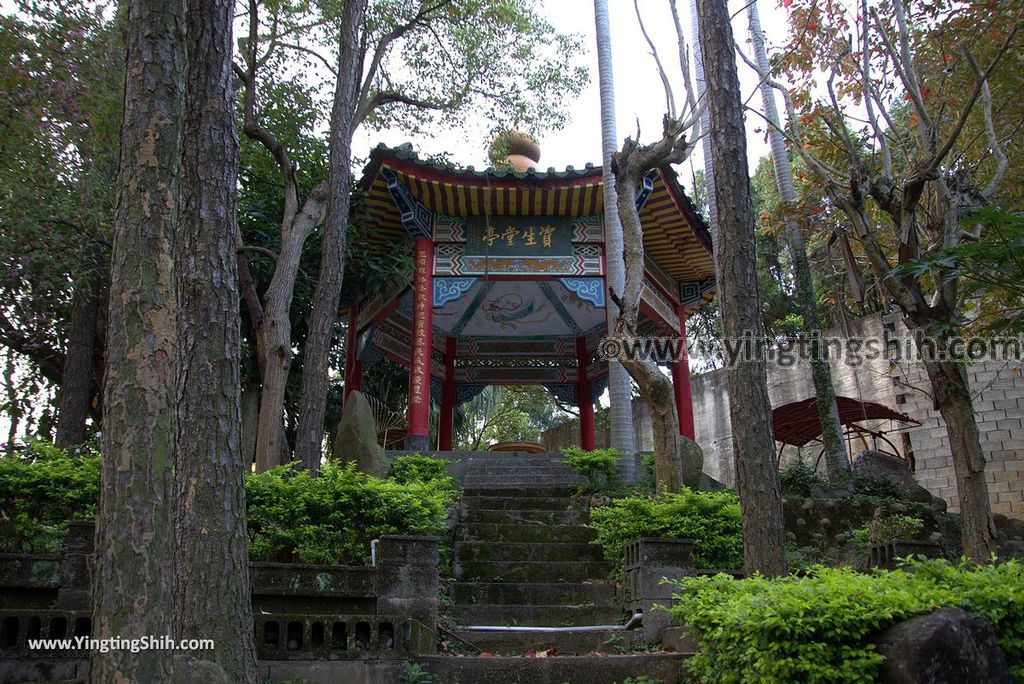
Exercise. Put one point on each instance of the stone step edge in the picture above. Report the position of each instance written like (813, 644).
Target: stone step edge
(524, 629)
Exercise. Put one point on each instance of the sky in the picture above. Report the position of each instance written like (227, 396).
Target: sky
(639, 93)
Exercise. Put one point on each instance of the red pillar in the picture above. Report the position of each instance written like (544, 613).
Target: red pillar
(583, 401)
(445, 429)
(418, 432)
(681, 383)
(353, 369)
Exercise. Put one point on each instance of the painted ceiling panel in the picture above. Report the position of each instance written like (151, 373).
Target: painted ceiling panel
(510, 309)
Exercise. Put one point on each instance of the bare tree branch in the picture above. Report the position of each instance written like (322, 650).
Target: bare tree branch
(380, 50)
(670, 102)
(259, 250)
(312, 53)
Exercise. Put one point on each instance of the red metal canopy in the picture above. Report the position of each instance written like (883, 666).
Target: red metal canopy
(798, 423)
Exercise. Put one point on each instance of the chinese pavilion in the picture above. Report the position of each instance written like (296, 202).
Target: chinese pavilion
(508, 285)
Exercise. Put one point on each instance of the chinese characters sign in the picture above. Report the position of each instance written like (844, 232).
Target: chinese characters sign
(505, 236)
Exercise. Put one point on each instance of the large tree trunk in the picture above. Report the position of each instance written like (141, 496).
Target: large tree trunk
(313, 403)
(211, 588)
(133, 575)
(837, 461)
(952, 395)
(620, 389)
(764, 541)
(275, 332)
(76, 389)
(250, 417)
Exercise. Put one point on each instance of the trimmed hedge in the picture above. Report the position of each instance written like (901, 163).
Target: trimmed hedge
(711, 519)
(42, 490)
(292, 517)
(821, 627)
(331, 518)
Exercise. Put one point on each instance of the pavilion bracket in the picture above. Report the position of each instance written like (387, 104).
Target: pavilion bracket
(646, 187)
(416, 218)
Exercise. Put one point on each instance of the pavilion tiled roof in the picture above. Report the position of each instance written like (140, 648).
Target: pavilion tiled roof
(675, 236)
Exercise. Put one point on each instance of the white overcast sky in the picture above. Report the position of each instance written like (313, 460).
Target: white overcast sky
(639, 94)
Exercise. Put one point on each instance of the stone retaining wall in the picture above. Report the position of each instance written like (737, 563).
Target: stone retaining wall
(301, 612)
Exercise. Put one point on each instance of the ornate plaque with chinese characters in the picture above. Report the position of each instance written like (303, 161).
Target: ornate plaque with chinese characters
(519, 236)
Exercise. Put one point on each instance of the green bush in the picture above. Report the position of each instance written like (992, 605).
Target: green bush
(799, 479)
(600, 467)
(417, 468)
(42, 489)
(820, 627)
(292, 516)
(711, 519)
(887, 528)
(331, 518)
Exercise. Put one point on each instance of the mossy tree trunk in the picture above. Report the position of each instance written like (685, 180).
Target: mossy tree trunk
(837, 460)
(133, 574)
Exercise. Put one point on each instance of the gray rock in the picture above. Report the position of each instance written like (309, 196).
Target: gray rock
(880, 465)
(691, 462)
(945, 647)
(190, 670)
(356, 438)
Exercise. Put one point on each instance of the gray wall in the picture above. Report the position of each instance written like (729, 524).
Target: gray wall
(903, 386)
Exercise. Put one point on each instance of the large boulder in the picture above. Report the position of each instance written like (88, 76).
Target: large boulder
(945, 647)
(356, 438)
(690, 462)
(880, 465)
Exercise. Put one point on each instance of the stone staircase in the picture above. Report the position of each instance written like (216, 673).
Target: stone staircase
(529, 581)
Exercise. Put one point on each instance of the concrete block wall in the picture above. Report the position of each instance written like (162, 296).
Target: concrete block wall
(869, 381)
(999, 406)
(998, 390)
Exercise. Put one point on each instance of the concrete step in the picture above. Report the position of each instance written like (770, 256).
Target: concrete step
(494, 499)
(533, 593)
(550, 467)
(517, 551)
(530, 571)
(537, 615)
(514, 483)
(536, 533)
(517, 461)
(597, 669)
(519, 516)
(566, 492)
(534, 478)
(564, 641)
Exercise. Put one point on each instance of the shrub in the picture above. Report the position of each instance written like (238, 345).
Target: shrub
(820, 627)
(711, 519)
(331, 518)
(799, 479)
(600, 466)
(292, 516)
(42, 490)
(887, 528)
(417, 468)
